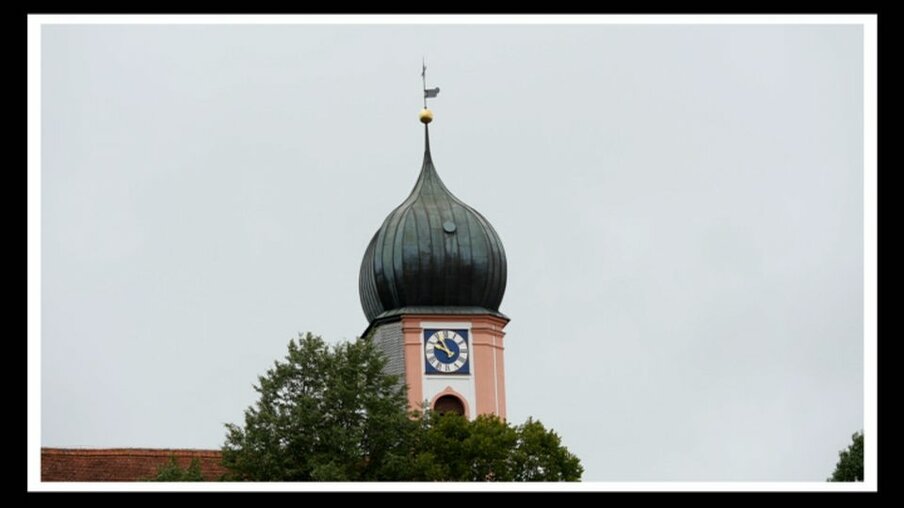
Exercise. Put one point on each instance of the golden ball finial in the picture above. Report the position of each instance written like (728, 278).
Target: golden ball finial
(426, 116)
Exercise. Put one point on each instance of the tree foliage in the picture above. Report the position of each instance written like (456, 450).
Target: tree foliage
(171, 472)
(452, 448)
(325, 413)
(850, 462)
(332, 414)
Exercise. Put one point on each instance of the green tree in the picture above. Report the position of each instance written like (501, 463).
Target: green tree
(331, 413)
(850, 462)
(325, 413)
(171, 472)
(452, 448)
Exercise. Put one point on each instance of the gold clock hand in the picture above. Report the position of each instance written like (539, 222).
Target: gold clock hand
(444, 347)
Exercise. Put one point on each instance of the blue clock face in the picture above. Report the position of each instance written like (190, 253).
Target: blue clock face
(446, 351)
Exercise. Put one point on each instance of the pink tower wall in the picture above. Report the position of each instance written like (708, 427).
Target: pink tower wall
(487, 360)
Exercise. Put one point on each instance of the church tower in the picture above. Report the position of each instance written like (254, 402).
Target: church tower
(431, 282)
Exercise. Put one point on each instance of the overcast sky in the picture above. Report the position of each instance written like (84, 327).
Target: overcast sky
(681, 208)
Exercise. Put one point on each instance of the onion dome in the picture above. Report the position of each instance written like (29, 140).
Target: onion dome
(433, 254)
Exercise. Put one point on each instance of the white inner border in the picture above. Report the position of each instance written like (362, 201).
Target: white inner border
(870, 233)
(461, 325)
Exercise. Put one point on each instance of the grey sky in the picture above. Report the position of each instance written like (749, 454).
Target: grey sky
(681, 207)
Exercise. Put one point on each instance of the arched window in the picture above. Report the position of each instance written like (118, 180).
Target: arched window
(449, 404)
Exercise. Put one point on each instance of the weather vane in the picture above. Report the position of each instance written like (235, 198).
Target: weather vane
(426, 114)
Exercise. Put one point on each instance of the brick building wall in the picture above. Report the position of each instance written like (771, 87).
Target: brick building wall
(121, 464)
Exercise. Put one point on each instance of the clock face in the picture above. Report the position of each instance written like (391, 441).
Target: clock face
(446, 351)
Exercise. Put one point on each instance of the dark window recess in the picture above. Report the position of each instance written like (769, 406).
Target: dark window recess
(449, 404)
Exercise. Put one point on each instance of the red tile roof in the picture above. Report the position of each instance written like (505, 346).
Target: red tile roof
(121, 464)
